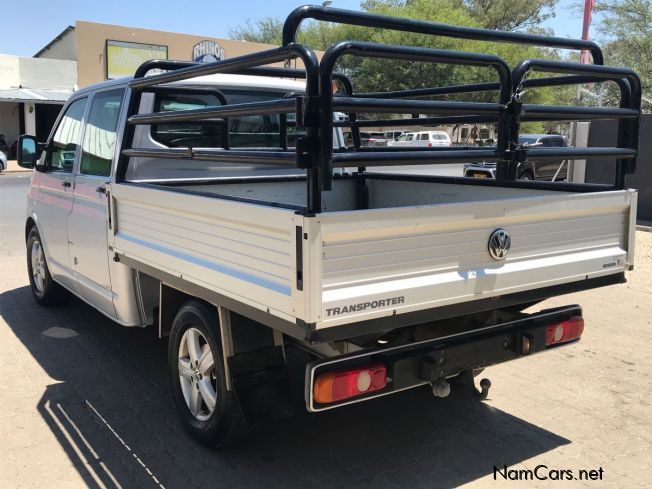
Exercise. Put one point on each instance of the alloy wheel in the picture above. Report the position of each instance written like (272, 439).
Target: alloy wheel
(38, 266)
(197, 374)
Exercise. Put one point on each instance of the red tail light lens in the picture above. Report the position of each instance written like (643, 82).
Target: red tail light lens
(568, 330)
(430, 145)
(343, 384)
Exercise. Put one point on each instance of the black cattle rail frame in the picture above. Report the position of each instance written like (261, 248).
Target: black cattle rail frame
(315, 107)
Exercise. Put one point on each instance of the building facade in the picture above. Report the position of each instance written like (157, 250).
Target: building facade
(104, 51)
(33, 90)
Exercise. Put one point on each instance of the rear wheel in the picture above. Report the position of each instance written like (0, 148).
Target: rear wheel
(45, 290)
(209, 412)
(525, 176)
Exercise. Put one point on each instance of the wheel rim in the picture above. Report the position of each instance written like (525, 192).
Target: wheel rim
(197, 374)
(38, 266)
(525, 176)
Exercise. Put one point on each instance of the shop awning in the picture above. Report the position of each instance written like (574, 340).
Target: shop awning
(35, 96)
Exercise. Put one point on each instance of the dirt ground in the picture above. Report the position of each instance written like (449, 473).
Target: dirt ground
(641, 277)
(85, 403)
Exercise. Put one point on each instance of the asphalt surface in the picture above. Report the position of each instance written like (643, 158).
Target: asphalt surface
(13, 193)
(85, 403)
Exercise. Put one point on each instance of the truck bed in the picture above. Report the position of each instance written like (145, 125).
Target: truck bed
(384, 246)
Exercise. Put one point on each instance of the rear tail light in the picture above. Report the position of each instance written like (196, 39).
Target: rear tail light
(568, 330)
(342, 384)
(430, 145)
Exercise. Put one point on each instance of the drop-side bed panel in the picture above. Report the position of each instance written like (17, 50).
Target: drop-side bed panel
(241, 250)
(363, 264)
(379, 262)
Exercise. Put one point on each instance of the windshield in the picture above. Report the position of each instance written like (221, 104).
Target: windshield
(528, 139)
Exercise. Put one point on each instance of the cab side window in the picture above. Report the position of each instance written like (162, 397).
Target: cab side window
(65, 142)
(100, 135)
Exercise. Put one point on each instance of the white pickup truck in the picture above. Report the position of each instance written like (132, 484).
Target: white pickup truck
(215, 203)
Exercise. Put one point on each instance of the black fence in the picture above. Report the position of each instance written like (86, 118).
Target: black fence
(314, 109)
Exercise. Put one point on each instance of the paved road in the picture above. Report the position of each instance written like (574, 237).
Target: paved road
(85, 403)
(13, 190)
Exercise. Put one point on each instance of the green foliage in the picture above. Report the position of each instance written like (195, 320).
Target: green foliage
(266, 30)
(369, 74)
(510, 15)
(627, 27)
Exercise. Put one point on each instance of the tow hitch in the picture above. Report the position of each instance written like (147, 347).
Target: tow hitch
(441, 387)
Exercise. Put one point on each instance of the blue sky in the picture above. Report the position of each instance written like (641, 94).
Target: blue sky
(27, 29)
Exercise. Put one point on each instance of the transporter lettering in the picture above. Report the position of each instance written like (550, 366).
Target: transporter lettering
(361, 306)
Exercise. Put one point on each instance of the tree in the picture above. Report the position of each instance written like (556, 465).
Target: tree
(266, 30)
(510, 15)
(626, 26)
(369, 74)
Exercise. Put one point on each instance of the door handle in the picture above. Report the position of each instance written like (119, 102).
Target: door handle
(101, 189)
(66, 184)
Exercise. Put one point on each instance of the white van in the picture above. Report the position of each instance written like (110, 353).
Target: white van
(431, 139)
(404, 139)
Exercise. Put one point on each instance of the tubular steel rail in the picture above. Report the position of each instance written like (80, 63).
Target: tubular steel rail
(314, 108)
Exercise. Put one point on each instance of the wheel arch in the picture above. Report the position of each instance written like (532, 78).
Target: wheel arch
(253, 353)
(29, 224)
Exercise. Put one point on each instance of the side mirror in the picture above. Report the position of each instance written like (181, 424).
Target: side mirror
(29, 151)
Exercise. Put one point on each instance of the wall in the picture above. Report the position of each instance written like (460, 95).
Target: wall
(604, 133)
(63, 47)
(91, 46)
(49, 74)
(9, 114)
(37, 73)
(30, 118)
(9, 71)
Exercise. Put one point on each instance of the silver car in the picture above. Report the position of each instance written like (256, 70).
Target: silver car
(3, 162)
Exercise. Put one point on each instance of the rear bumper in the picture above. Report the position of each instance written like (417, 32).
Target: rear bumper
(450, 355)
(479, 171)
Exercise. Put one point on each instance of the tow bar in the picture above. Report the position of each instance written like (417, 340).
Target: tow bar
(430, 372)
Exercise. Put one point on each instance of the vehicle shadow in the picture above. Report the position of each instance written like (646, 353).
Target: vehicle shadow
(111, 411)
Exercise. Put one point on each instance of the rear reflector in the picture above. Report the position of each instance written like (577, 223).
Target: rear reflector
(342, 384)
(568, 330)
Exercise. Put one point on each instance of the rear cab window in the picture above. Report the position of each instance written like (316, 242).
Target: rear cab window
(244, 132)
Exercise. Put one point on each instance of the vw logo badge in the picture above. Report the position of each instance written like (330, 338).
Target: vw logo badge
(499, 244)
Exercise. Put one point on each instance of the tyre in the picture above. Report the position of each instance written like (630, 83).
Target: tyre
(525, 176)
(45, 290)
(210, 413)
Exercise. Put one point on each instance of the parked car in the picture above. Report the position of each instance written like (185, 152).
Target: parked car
(373, 139)
(393, 135)
(531, 169)
(431, 139)
(404, 139)
(165, 201)
(428, 139)
(366, 139)
(3, 161)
